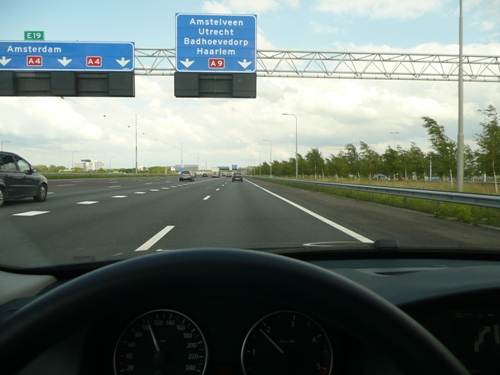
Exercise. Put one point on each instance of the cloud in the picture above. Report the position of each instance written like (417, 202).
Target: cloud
(381, 9)
(262, 42)
(244, 7)
(483, 16)
(323, 29)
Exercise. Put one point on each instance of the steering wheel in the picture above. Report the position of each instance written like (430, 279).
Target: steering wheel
(332, 297)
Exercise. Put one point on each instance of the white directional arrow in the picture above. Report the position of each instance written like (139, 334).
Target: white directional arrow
(64, 61)
(122, 62)
(187, 63)
(4, 61)
(244, 63)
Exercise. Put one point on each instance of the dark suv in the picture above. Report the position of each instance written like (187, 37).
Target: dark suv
(186, 175)
(18, 179)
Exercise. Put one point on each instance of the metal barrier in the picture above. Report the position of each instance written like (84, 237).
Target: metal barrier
(482, 200)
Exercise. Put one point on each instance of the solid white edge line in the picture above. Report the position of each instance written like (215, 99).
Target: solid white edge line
(339, 227)
(147, 245)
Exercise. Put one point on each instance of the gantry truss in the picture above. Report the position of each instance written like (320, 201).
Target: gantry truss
(343, 65)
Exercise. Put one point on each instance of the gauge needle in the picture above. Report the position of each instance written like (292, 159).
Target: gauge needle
(272, 342)
(154, 338)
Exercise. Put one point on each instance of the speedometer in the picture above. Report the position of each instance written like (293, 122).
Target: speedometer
(161, 342)
(286, 342)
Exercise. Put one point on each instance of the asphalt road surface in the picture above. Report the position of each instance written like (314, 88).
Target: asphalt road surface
(99, 219)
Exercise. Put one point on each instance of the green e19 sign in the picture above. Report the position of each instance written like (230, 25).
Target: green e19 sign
(34, 35)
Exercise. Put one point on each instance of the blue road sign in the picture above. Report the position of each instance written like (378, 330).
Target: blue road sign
(68, 56)
(212, 43)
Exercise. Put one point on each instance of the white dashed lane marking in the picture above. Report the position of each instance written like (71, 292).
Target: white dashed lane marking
(166, 230)
(31, 213)
(147, 245)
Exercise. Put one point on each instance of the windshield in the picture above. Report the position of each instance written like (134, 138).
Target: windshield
(106, 162)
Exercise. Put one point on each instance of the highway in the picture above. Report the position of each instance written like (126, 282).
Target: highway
(100, 219)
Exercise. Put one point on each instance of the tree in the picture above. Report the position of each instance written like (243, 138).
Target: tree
(352, 158)
(390, 162)
(314, 162)
(265, 168)
(489, 143)
(470, 162)
(369, 160)
(337, 166)
(302, 165)
(444, 148)
(51, 169)
(416, 160)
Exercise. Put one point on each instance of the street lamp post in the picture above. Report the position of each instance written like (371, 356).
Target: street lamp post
(72, 158)
(136, 143)
(296, 143)
(1, 145)
(270, 156)
(260, 165)
(460, 140)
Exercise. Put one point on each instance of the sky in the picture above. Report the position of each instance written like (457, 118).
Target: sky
(211, 132)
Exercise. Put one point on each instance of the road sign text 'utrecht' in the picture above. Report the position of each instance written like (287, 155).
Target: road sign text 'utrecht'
(207, 42)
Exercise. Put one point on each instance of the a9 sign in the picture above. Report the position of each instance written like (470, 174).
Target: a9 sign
(216, 63)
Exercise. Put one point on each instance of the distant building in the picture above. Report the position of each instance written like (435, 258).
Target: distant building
(89, 165)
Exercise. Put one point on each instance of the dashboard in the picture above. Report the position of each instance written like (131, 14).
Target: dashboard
(257, 331)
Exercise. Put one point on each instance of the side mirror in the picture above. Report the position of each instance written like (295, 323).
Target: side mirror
(34, 170)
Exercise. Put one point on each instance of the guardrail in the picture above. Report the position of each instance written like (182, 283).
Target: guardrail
(482, 200)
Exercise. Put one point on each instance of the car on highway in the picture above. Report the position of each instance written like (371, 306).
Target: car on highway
(312, 267)
(186, 175)
(18, 179)
(381, 177)
(204, 174)
(237, 176)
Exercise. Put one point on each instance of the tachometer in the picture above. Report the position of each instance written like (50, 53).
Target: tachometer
(161, 342)
(286, 342)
